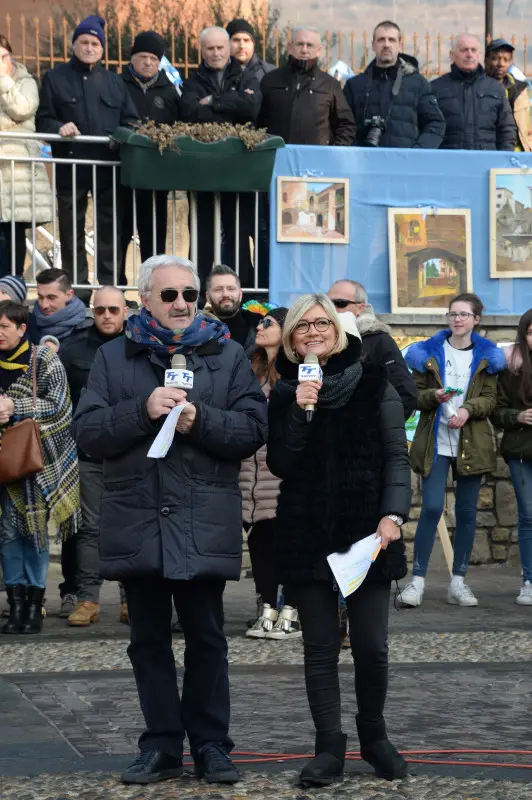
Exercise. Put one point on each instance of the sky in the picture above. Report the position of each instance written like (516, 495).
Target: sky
(518, 184)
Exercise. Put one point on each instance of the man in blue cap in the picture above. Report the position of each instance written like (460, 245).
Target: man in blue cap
(82, 97)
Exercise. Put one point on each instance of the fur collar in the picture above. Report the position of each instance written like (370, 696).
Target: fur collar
(484, 349)
(367, 322)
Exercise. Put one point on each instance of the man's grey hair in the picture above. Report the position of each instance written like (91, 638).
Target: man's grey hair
(206, 31)
(456, 40)
(156, 262)
(306, 29)
(361, 296)
(221, 269)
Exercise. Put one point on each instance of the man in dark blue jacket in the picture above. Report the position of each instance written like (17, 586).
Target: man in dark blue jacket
(393, 104)
(82, 97)
(172, 525)
(475, 106)
(242, 42)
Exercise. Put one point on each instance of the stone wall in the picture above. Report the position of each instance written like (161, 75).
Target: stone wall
(496, 535)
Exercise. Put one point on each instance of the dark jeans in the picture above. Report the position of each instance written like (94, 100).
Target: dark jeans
(202, 712)
(6, 247)
(433, 499)
(88, 551)
(261, 545)
(367, 608)
(106, 220)
(144, 207)
(521, 472)
(69, 566)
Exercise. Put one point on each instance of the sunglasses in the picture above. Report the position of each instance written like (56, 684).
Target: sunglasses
(171, 295)
(341, 303)
(100, 310)
(267, 323)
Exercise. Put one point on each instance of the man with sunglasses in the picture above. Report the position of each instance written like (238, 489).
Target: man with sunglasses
(110, 312)
(378, 345)
(171, 526)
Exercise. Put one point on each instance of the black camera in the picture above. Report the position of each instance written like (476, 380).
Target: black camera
(374, 127)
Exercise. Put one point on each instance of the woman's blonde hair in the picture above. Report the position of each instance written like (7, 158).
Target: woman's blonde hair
(298, 310)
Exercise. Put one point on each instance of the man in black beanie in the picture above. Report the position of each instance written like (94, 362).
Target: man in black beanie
(242, 43)
(155, 98)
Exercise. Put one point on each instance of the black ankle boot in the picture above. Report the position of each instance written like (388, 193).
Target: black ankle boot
(377, 750)
(33, 610)
(328, 764)
(16, 596)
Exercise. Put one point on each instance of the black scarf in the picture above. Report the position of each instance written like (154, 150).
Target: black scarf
(18, 359)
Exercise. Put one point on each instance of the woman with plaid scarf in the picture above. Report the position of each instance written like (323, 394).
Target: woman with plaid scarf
(29, 505)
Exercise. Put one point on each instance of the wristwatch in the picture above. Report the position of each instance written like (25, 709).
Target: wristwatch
(395, 518)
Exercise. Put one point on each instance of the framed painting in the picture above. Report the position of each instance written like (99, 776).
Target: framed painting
(314, 210)
(511, 223)
(430, 258)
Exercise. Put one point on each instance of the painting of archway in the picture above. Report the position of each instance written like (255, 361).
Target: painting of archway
(430, 258)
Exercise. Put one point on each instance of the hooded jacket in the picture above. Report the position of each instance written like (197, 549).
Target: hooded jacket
(380, 348)
(305, 107)
(476, 448)
(412, 115)
(476, 110)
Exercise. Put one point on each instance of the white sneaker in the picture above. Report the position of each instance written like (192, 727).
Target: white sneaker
(265, 622)
(459, 594)
(525, 595)
(287, 625)
(411, 596)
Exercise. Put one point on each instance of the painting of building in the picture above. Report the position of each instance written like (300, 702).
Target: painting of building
(315, 210)
(430, 258)
(511, 223)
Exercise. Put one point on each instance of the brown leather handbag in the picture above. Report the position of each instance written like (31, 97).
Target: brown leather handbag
(21, 448)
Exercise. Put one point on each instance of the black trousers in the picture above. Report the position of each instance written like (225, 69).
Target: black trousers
(6, 247)
(105, 217)
(69, 566)
(202, 711)
(144, 207)
(368, 607)
(261, 545)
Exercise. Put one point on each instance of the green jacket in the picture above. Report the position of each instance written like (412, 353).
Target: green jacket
(476, 450)
(517, 439)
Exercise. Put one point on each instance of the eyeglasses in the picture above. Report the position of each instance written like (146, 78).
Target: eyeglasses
(171, 295)
(321, 325)
(339, 302)
(459, 314)
(100, 310)
(267, 323)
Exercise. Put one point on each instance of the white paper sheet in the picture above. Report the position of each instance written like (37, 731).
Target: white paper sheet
(162, 442)
(350, 569)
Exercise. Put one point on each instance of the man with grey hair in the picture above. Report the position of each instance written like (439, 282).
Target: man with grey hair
(171, 521)
(378, 345)
(476, 110)
(302, 103)
(221, 91)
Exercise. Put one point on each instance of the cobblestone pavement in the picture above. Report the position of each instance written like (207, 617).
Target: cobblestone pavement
(459, 678)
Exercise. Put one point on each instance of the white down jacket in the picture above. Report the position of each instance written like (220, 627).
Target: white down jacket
(259, 487)
(19, 98)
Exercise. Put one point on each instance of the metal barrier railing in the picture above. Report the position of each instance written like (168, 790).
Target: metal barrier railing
(188, 230)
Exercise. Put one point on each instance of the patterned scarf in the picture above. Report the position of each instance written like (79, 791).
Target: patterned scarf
(50, 496)
(144, 329)
(12, 362)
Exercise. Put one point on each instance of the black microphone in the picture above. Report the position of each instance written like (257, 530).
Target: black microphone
(310, 371)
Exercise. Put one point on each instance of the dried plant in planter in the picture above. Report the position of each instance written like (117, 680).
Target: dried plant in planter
(164, 135)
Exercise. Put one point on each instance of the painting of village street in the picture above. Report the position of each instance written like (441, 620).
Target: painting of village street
(430, 258)
(315, 210)
(510, 223)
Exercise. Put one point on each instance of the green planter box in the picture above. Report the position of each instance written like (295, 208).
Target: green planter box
(224, 166)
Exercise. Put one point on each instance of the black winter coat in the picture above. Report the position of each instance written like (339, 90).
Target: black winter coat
(243, 329)
(159, 102)
(96, 101)
(257, 68)
(476, 111)
(381, 350)
(178, 517)
(340, 474)
(305, 107)
(413, 116)
(230, 102)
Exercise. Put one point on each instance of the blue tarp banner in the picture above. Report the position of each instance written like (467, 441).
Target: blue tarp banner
(380, 179)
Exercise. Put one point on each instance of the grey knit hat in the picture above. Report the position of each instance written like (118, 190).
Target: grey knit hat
(15, 287)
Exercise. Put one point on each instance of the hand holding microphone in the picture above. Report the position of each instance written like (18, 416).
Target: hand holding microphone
(310, 382)
(177, 381)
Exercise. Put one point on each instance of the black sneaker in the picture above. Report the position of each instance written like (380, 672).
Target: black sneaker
(151, 766)
(212, 763)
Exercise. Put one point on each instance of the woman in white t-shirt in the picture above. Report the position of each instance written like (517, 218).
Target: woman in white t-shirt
(456, 375)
